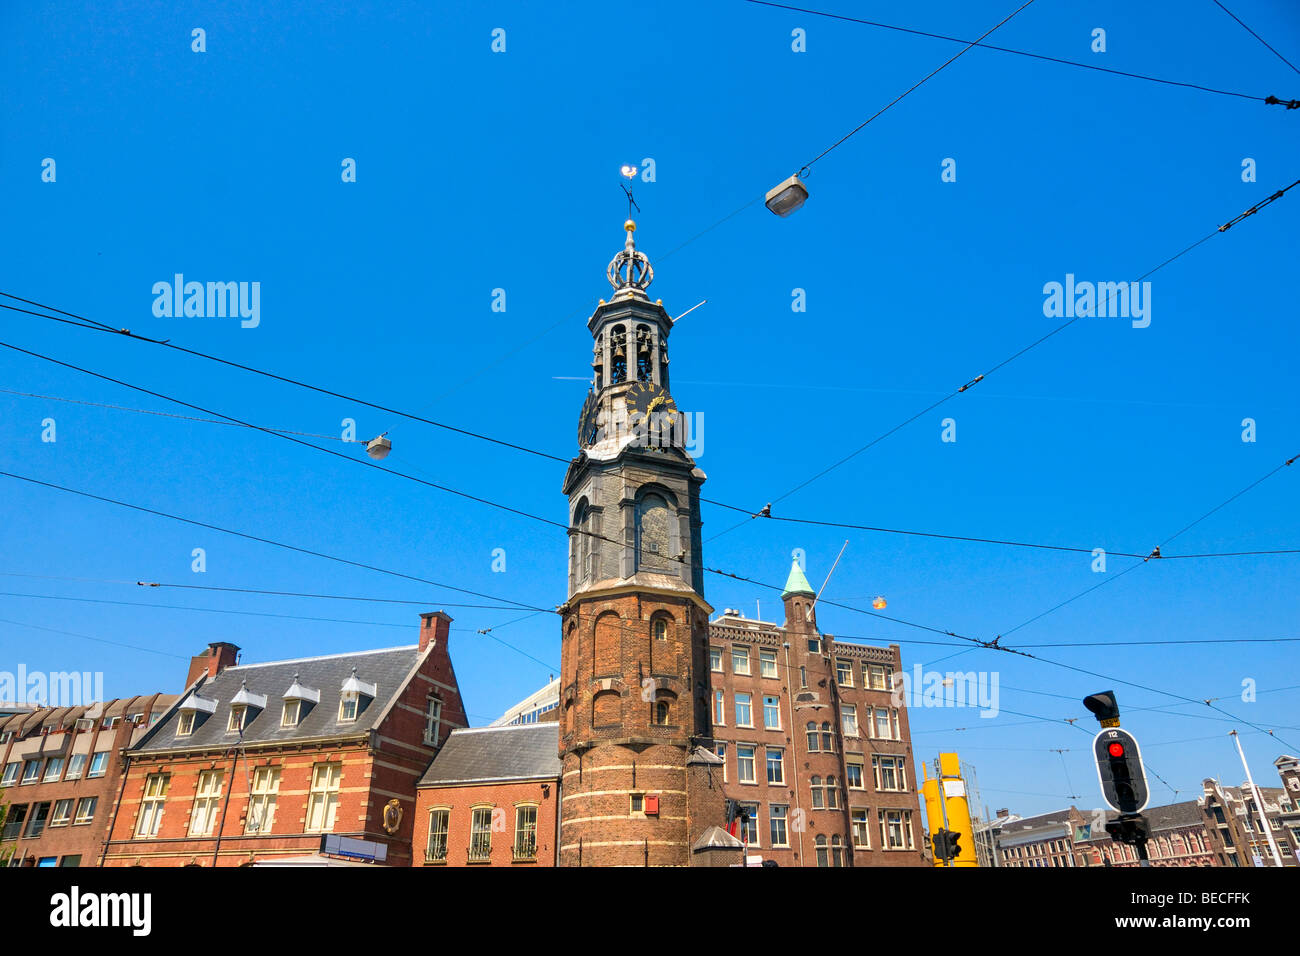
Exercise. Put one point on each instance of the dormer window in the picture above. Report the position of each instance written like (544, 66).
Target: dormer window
(298, 702)
(244, 707)
(354, 695)
(193, 711)
(348, 706)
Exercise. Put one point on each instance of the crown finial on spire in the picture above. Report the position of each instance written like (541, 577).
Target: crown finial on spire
(630, 272)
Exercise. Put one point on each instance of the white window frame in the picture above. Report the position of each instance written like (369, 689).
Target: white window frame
(849, 720)
(844, 671)
(323, 798)
(185, 723)
(262, 800)
(774, 708)
(720, 708)
(778, 813)
(207, 801)
(739, 653)
(98, 767)
(432, 719)
(744, 708)
(753, 763)
(153, 803)
(780, 765)
(61, 821)
(765, 658)
(85, 812)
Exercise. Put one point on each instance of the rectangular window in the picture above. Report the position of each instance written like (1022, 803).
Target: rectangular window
(777, 817)
(323, 802)
(896, 829)
(85, 810)
(744, 715)
(854, 773)
(71, 860)
(14, 822)
(772, 712)
(436, 849)
(480, 835)
(261, 804)
(62, 812)
(98, 764)
(238, 717)
(748, 829)
(348, 707)
(849, 716)
(882, 723)
(288, 716)
(745, 763)
(76, 766)
(31, 771)
(719, 708)
(879, 677)
(861, 829)
(185, 725)
(432, 721)
(843, 672)
(53, 770)
(740, 660)
(776, 766)
(715, 659)
(767, 663)
(525, 833)
(721, 750)
(151, 805)
(10, 774)
(207, 799)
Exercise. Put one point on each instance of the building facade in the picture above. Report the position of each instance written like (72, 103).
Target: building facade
(280, 760)
(61, 771)
(814, 740)
(491, 798)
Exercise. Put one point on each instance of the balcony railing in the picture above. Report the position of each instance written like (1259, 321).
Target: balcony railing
(525, 849)
(480, 850)
(436, 851)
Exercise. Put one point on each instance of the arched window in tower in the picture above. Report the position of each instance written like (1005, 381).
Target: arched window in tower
(607, 645)
(662, 715)
(584, 569)
(821, 851)
(606, 709)
(660, 628)
(644, 354)
(837, 850)
(653, 537)
(812, 737)
(618, 355)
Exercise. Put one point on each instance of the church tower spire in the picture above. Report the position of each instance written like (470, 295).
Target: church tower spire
(641, 782)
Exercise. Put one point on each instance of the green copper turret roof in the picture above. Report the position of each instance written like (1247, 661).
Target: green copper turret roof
(796, 583)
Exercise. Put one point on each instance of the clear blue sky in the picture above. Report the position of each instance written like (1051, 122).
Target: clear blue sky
(479, 171)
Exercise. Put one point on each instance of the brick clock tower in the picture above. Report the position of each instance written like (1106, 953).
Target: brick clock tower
(641, 783)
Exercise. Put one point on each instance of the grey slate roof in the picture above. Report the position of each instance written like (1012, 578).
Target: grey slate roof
(493, 754)
(387, 669)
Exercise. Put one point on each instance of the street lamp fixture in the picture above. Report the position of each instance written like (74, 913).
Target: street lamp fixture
(788, 196)
(378, 448)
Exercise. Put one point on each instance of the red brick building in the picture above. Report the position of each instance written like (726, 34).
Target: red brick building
(62, 768)
(815, 742)
(491, 797)
(264, 761)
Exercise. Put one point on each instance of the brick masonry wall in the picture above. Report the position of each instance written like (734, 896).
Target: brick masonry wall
(505, 798)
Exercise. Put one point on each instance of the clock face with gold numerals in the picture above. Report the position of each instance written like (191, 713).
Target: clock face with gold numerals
(646, 400)
(588, 427)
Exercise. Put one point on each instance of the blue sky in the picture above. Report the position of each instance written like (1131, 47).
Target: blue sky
(479, 170)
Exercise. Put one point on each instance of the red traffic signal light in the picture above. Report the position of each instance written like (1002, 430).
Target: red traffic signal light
(1116, 750)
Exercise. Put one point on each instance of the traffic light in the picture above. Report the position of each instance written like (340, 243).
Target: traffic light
(946, 845)
(1104, 707)
(1130, 828)
(1119, 769)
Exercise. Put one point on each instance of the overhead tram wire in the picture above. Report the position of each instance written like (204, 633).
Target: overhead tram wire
(766, 510)
(1256, 36)
(782, 518)
(261, 540)
(1026, 53)
(1155, 554)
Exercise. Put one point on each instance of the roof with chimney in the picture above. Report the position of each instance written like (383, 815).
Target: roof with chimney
(374, 677)
(495, 754)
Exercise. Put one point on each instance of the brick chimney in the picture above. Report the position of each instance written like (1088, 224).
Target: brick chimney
(212, 662)
(434, 628)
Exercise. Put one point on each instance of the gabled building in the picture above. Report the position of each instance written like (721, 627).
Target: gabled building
(289, 759)
(814, 741)
(62, 769)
